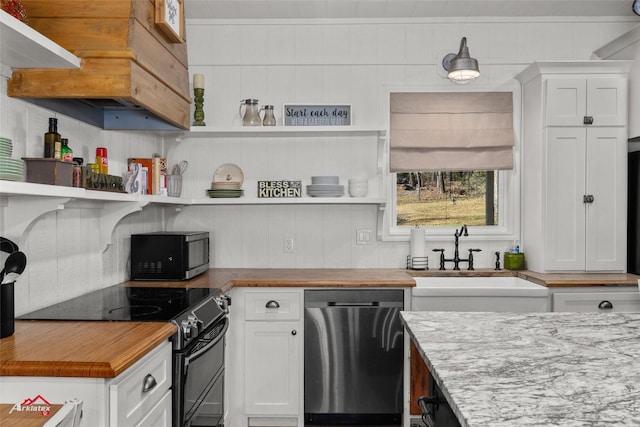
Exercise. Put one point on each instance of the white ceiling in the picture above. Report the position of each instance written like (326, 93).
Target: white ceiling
(278, 9)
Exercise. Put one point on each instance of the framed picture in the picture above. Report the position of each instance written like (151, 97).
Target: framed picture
(169, 18)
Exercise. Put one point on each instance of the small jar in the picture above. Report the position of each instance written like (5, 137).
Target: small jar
(94, 167)
(77, 171)
(269, 118)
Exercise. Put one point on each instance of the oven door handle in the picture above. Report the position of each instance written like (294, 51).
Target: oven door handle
(206, 348)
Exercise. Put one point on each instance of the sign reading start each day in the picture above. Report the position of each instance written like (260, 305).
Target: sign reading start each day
(316, 115)
(279, 189)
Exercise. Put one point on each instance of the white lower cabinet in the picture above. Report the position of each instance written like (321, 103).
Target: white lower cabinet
(122, 401)
(272, 356)
(596, 299)
(264, 369)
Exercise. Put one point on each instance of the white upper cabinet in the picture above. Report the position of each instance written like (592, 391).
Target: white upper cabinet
(581, 101)
(574, 166)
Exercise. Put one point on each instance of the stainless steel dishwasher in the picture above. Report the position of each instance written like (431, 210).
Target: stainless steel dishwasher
(353, 356)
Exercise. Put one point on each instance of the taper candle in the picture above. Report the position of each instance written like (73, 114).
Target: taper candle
(198, 81)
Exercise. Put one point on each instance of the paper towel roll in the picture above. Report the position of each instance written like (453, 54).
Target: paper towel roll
(417, 242)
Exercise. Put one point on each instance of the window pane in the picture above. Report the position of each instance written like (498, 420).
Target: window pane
(447, 198)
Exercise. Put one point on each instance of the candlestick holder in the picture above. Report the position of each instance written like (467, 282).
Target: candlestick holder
(198, 114)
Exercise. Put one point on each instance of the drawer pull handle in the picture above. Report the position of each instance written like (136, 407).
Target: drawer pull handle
(294, 332)
(272, 304)
(148, 383)
(605, 305)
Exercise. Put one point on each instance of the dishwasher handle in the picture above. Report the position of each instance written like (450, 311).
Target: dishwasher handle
(353, 304)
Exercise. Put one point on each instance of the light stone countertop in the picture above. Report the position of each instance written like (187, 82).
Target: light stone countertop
(533, 369)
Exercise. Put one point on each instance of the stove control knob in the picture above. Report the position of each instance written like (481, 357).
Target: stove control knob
(194, 322)
(186, 328)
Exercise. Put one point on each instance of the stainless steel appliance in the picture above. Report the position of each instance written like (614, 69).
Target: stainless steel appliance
(201, 315)
(436, 411)
(353, 356)
(169, 255)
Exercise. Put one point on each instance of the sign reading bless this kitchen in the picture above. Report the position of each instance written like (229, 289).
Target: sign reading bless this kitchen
(279, 189)
(316, 115)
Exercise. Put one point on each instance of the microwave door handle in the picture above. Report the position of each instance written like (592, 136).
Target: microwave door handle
(206, 348)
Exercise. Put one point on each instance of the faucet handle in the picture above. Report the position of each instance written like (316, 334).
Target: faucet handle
(438, 250)
(475, 250)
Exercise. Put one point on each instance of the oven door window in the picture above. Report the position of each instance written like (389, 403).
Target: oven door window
(210, 412)
(203, 382)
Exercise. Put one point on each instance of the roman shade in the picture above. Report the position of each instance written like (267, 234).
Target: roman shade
(451, 131)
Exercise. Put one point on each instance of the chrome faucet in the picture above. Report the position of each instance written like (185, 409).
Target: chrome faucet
(456, 253)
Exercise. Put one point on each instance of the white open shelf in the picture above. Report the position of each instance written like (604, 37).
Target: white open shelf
(29, 201)
(278, 131)
(24, 47)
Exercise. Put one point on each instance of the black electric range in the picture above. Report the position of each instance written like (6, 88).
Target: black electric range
(192, 309)
(122, 303)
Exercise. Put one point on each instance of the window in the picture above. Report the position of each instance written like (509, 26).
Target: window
(432, 199)
(437, 179)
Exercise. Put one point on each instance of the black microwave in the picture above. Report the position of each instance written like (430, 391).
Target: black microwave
(169, 255)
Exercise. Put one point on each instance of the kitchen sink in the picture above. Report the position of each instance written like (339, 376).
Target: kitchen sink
(478, 294)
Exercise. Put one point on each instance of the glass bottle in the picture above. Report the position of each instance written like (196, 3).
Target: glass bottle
(66, 153)
(52, 139)
(77, 171)
(269, 118)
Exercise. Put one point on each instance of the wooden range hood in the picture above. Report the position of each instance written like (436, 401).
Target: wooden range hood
(131, 75)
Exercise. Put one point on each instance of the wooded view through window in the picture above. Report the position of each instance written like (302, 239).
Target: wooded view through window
(447, 198)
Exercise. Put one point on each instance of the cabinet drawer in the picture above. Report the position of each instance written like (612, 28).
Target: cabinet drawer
(160, 415)
(129, 401)
(597, 302)
(272, 305)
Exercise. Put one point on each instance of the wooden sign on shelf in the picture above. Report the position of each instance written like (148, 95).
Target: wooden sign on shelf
(279, 189)
(316, 115)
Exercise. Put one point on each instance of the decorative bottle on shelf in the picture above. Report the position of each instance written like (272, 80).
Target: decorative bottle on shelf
(66, 153)
(77, 171)
(102, 160)
(52, 139)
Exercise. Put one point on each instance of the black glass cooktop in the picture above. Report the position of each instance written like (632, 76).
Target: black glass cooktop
(120, 303)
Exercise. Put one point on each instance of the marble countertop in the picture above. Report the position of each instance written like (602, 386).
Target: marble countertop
(533, 369)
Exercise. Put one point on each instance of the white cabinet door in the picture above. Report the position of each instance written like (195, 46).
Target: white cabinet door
(607, 182)
(570, 100)
(585, 204)
(272, 368)
(607, 101)
(564, 236)
(566, 102)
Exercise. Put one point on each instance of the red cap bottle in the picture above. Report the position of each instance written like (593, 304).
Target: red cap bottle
(102, 160)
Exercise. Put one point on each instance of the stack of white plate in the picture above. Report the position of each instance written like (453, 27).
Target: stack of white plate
(10, 169)
(325, 186)
(227, 181)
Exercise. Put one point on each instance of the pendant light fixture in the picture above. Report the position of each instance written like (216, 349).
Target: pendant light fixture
(461, 67)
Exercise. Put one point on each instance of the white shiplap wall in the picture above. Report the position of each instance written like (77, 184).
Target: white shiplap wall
(315, 61)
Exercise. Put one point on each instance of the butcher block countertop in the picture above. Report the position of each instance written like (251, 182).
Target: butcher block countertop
(78, 349)
(227, 278)
(105, 349)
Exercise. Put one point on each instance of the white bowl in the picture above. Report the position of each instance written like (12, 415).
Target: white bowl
(358, 181)
(358, 192)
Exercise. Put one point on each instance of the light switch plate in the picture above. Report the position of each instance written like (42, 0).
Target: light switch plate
(363, 236)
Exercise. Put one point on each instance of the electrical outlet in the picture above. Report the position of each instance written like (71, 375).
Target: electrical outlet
(288, 245)
(363, 236)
